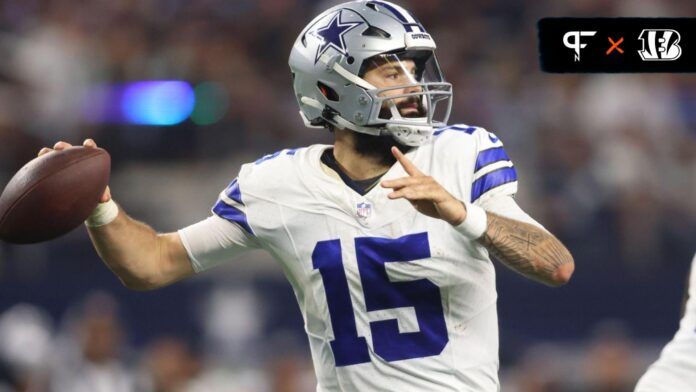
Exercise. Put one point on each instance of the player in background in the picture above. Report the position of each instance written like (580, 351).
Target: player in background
(385, 235)
(675, 370)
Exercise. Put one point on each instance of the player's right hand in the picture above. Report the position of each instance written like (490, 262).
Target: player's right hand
(89, 143)
(425, 194)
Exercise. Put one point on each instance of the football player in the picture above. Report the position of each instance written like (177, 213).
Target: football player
(675, 370)
(385, 235)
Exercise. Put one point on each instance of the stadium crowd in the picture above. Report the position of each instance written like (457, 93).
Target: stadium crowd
(608, 162)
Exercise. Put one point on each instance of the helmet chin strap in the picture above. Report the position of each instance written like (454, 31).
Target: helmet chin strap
(410, 135)
(340, 121)
(345, 124)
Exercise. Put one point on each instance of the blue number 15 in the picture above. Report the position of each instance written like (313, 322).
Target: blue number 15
(380, 294)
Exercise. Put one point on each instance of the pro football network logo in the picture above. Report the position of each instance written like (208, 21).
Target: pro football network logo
(576, 44)
(364, 210)
(660, 45)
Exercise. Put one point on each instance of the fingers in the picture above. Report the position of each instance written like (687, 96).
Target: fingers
(410, 168)
(61, 145)
(413, 188)
(89, 143)
(417, 192)
(106, 196)
(401, 182)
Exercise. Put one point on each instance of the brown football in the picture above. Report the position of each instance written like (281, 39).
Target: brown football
(53, 194)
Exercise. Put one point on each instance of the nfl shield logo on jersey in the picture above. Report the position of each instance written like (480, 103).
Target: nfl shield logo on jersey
(364, 210)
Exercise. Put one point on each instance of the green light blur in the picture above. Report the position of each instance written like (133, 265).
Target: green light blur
(211, 103)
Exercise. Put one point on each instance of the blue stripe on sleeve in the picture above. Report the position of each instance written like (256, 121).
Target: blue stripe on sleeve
(233, 192)
(491, 180)
(232, 214)
(468, 130)
(267, 157)
(492, 155)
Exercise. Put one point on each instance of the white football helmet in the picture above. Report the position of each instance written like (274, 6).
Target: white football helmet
(332, 54)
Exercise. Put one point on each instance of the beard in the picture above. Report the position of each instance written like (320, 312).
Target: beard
(378, 147)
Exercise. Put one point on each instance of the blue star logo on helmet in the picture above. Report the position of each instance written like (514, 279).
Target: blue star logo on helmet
(332, 35)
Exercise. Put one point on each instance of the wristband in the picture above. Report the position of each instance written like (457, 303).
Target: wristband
(105, 213)
(475, 223)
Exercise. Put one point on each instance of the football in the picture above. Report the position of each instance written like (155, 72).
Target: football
(53, 194)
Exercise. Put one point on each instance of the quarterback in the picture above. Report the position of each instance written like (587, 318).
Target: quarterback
(675, 370)
(385, 235)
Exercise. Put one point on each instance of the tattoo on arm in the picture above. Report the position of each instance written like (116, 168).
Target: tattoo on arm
(527, 249)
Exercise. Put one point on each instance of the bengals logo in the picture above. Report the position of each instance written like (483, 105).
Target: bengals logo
(660, 45)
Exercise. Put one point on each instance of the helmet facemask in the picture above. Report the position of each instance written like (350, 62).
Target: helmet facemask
(410, 98)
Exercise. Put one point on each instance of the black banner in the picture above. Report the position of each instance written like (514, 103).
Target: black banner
(617, 44)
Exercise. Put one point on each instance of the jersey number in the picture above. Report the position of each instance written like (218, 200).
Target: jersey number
(380, 294)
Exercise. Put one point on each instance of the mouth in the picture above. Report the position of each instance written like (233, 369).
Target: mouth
(410, 110)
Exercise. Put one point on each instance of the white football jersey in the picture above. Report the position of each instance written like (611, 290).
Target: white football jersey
(392, 300)
(675, 370)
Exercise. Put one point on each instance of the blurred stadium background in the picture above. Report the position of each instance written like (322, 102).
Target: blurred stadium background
(182, 92)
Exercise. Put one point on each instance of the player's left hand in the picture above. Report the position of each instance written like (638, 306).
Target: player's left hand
(424, 193)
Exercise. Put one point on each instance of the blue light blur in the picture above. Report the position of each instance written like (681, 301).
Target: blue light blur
(167, 102)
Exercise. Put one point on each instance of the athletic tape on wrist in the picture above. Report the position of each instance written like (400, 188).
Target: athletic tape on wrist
(104, 214)
(475, 223)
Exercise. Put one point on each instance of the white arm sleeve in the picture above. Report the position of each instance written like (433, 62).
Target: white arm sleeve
(507, 207)
(214, 241)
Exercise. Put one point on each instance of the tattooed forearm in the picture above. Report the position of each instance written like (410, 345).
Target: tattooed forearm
(528, 250)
